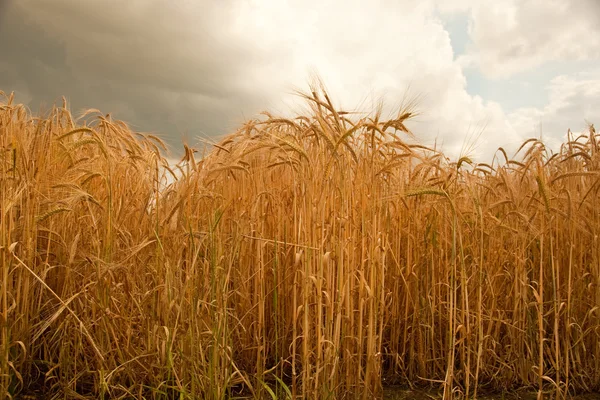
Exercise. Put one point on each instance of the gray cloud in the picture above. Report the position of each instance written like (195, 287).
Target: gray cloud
(149, 43)
(142, 64)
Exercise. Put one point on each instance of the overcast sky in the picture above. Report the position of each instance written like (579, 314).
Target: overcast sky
(189, 69)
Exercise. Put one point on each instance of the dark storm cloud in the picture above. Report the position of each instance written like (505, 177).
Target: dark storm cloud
(158, 67)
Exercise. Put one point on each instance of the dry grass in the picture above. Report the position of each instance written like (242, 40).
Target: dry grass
(306, 258)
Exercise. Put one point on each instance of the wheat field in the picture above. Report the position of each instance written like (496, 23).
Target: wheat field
(316, 257)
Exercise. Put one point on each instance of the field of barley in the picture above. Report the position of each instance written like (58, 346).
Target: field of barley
(324, 256)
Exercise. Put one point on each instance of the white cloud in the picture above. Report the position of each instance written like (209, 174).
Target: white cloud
(381, 51)
(574, 102)
(512, 36)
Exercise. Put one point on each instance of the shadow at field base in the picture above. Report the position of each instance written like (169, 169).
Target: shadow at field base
(402, 393)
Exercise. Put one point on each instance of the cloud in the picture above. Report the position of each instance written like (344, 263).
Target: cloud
(149, 43)
(142, 61)
(199, 68)
(574, 103)
(513, 36)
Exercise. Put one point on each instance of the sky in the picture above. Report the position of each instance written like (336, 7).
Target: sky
(483, 73)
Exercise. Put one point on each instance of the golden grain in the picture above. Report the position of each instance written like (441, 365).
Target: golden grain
(243, 277)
